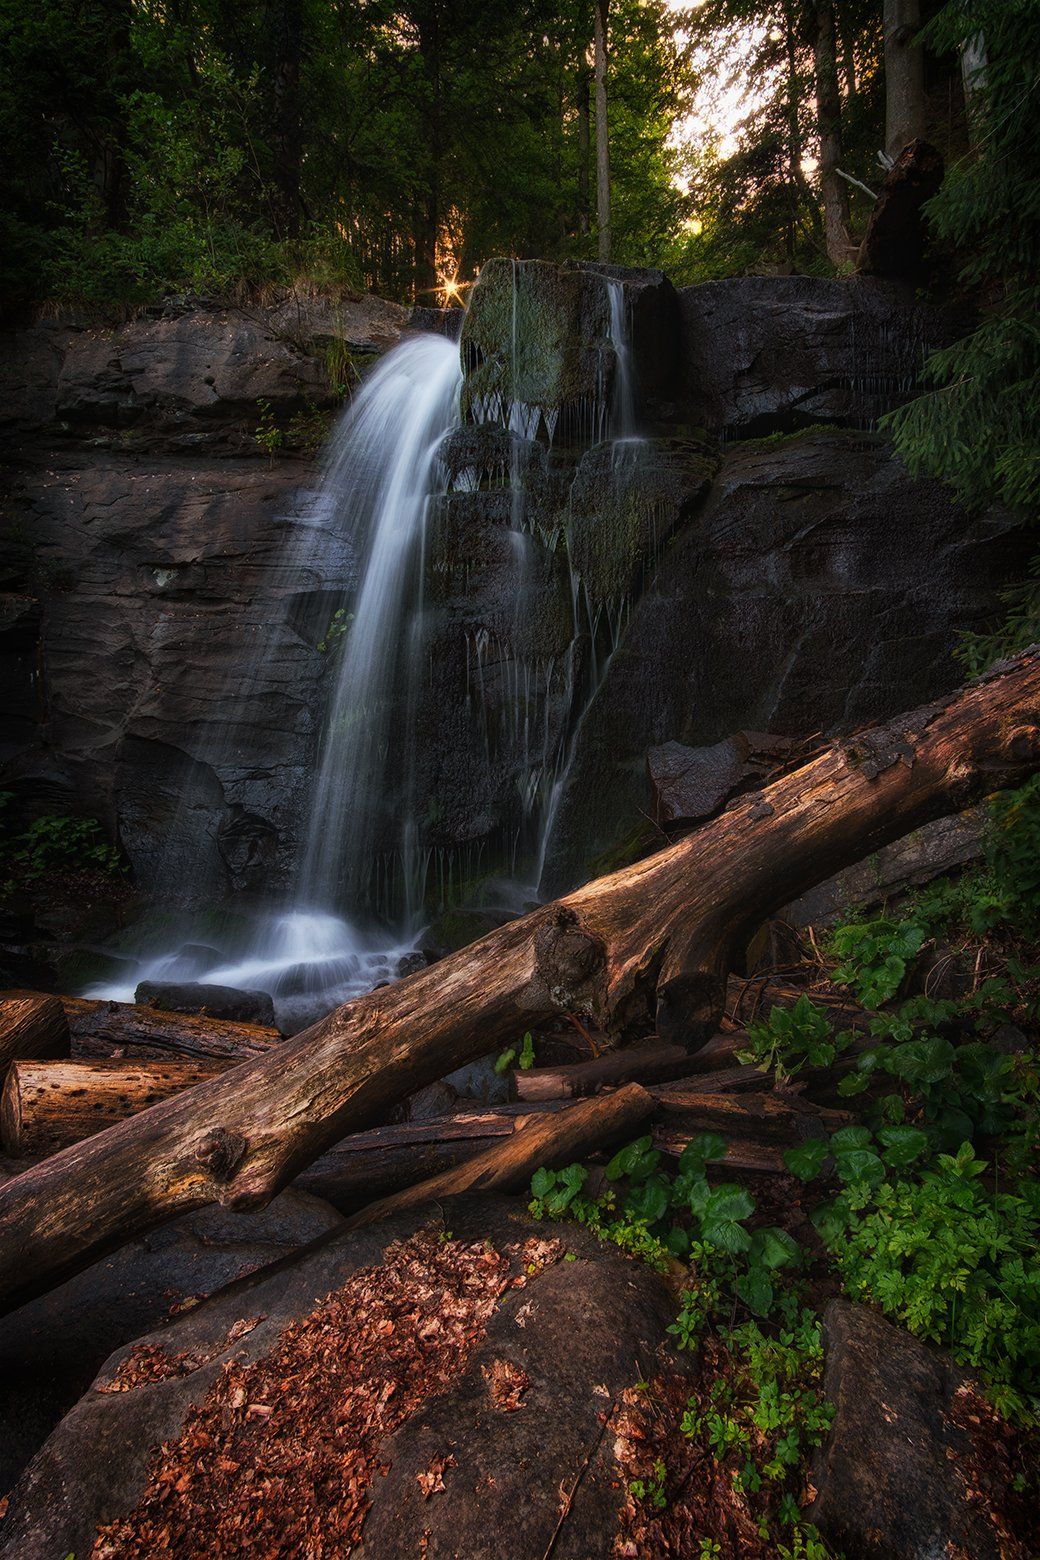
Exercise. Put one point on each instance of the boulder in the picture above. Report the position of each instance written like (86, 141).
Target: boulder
(51, 1349)
(441, 1387)
(938, 847)
(186, 374)
(772, 354)
(538, 351)
(690, 784)
(916, 1464)
(246, 1007)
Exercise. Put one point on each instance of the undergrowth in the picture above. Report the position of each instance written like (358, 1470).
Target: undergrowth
(926, 1207)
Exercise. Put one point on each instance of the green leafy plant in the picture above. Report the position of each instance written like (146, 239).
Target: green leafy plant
(874, 956)
(651, 1489)
(791, 1039)
(339, 627)
(524, 1058)
(950, 1259)
(57, 842)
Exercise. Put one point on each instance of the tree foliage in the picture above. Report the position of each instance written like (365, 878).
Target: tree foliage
(197, 144)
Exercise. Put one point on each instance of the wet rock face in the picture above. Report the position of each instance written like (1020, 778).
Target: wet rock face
(818, 588)
(586, 596)
(181, 680)
(774, 354)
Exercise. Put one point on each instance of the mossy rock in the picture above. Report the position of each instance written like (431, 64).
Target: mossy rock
(536, 333)
(625, 503)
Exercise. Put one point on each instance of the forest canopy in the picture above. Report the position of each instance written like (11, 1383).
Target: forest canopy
(158, 145)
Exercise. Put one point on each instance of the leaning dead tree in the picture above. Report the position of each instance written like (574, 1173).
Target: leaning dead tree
(645, 950)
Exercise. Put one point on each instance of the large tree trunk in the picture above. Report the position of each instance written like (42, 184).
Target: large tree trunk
(828, 116)
(584, 145)
(602, 138)
(46, 1105)
(131, 1029)
(904, 75)
(647, 947)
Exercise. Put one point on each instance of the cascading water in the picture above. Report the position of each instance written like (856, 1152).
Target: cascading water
(382, 468)
(363, 849)
(378, 477)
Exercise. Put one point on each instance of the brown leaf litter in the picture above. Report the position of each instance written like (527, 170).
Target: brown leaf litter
(278, 1458)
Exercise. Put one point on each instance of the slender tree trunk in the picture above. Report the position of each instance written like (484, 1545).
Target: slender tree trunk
(904, 75)
(428, 230)
(801, 195)
(584, 146)
(828, 115)
(602, 138)
(848, 57)
(288, 128)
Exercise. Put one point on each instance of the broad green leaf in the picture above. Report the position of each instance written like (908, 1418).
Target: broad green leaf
(806, 1159)
(902, 1145)
(756, 1290)
(542, 1182)
(773, 1248)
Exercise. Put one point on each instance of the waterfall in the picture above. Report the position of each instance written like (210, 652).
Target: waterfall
(380, 474)
(363, 837)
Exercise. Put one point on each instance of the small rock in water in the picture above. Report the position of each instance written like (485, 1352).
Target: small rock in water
(411, 964)
(243, 1007)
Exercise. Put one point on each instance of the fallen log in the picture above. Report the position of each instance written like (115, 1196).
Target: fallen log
(153, 1034)
(31, 1025)
(554, 1139)
(45, 1105)
(755, 1117)
(640, 1063)
(647, 949)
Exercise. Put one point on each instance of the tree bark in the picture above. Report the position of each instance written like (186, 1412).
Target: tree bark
(645, 1063)
(828, 116)
(554, 1139)
(648, 947)
(893, 244)
(126, 1028)
(605, 236)
(46, 1105)
(905, 108)
(31, 1025)
(584, 145)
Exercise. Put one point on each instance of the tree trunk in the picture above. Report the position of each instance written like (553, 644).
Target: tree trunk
(288, 128)
(894, 242)
(584, 146)
(555, 1139)
(904, 75)
(602, 137)
(828, 116)
(31, 1025)
(46, 1106)
(647, 1063)
(648, 947)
